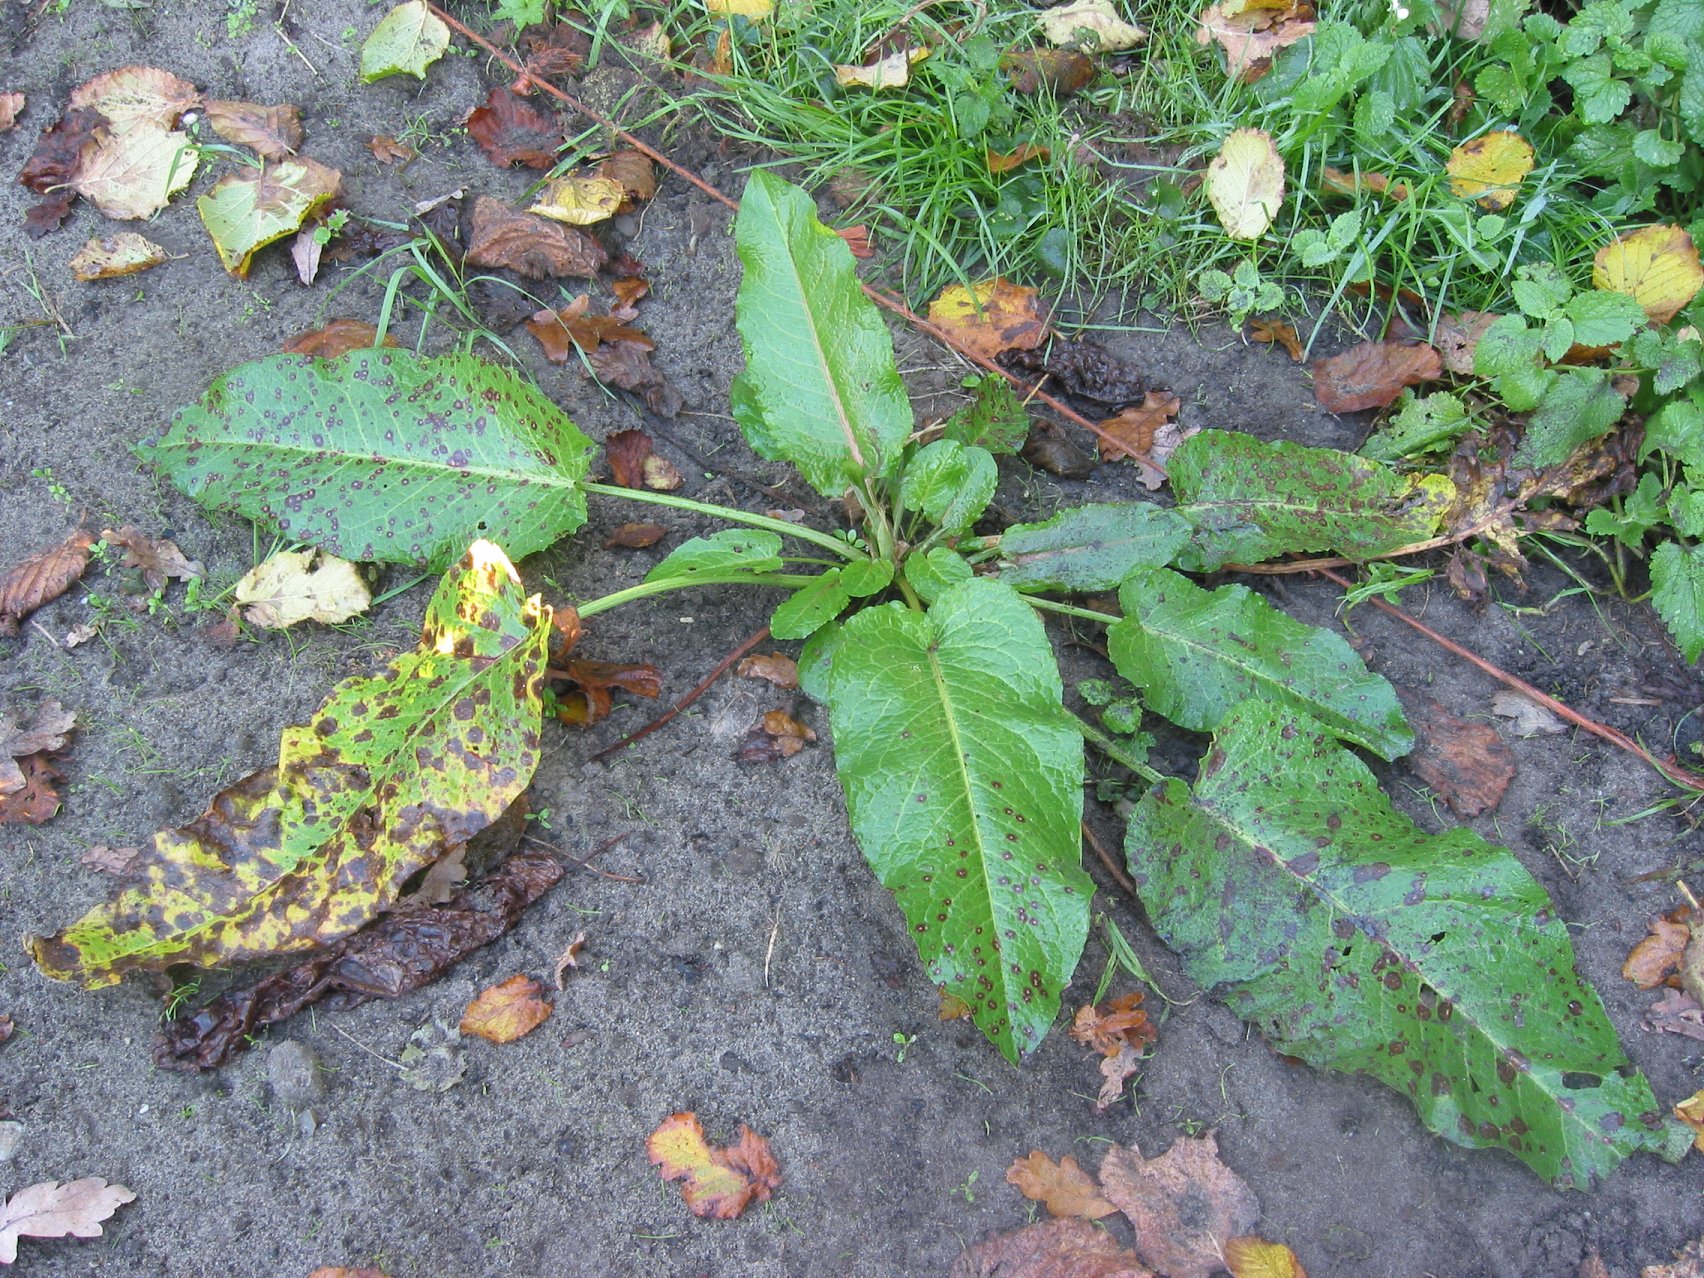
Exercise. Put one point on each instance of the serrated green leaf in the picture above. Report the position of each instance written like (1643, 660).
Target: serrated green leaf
(1641, 510)
(1580, 406)
(1682, 19)
(820, 388)
(1248, 501)
(1651, 147)
(408, 39)
(963, 779)
(1355, 941)
(1677, 593)
(1603, 318)
(1690, 101)
(1541, 291)
(752, 550)
(995, 419)
(382, 454)
(932, 573)
(1598, 96)
(1558, 338)
(1507, 346)
(1676, 430)
(950, 483)
(1686, 511)
(1198, 654)
(811, 607)
(1422, 424)
(1090, 547)
(391, 773)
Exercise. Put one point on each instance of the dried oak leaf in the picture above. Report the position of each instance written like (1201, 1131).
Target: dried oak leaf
(1466, 763)
(338, 337)
(778, 668)
(993, 316)
(159, 560)
(635, 536)
(1121, 1021)
(774, 736)
(507, 1011)
(512, 131)
(271, 132)
(1082, 368)
(1372, 374)
(38, 800)
(45, 731)
(1064, 1188)
(1276, 332)
(1133, 429)
(1257, 1258)
(42, 578)
(534, 247)
(1064, 1248)
(1185, 1204)
(53, 1210)
(560, 332)
(719, 1183)
(110, 860)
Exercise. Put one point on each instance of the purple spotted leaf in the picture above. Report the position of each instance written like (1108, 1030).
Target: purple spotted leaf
(392, 772)
(381, 454)
(964, 781)
(1355, 941)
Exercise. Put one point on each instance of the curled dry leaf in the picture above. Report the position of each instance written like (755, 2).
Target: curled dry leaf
(1084, 369)
(271, 132)
(1064, 1248)
(1108, 1028)
(1257, 1258)
(626, 363)
(512, 131)
(890, 72)
(569, 959)
(507, 1011)
(1677, 1013)
(53, 1210)
(387, 150)
(1249, 34)
(158, 560)
(301, 585)
(634, 172)
(1245, 183)
(778, 668)
(553, 53)
(1185, 1204)
(1490, 168)
(1281, 334)
(585, 696)
(1064, 1188)
(635, 536)
(42, 578)
(1372, 374)
(1657, 266)
(858, 240)
(45, 731)
(580, 201)
(1341, 183)
(719, 1183)
(1656, 959)
(107, 257)
(662, 475)
(1466, 763)
(338, 337)
(1091, 25)
(774, 736)
(1005, 163)
(626, 451)
(994, 316)
(1133, 430)
(533, 247)
(560, 332)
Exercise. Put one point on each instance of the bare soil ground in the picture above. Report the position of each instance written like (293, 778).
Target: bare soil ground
(757, 973)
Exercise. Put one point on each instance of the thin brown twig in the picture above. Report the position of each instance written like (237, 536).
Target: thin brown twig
(1286, 567)
(876, 295)
(688, 699)
(1673, 771)
(1106, 859)
(585, 863)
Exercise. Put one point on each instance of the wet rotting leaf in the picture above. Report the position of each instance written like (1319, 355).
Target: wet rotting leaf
(382, 454)
(964, 777)
(1355, 941)
(1090, 547)
(1197, 654)
(391, 772)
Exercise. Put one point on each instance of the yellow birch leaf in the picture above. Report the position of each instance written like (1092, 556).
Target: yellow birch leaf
(1245, 183)
(1257, 1258)
(108, 256)
(756, 10)
(891, 72)
(1657, 266)
(1490, 168)
(580, 201)
(1093, 25)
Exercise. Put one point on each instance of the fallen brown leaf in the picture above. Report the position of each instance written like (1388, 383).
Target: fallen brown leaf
(6, 1027)
(42, 578)
(1677, 1013)
(1691, 1112)
(627, 292)
(720, 1183)
(11, 107)
(634, 171)
(387, 150)
(1122, 1021)
(1133, 429)
(1372, 374)
(159, 560)
(271, 132)
(338, 337)
(858, 240)
(626, 451)
(569, 958)
(1064, 1248)
(340, 1271)
(560, 332)
(1064, 1188)
(1273, 331)
(54, 163)
(511, 131)
(1342, 183)
(108, 257)
(45, 731)
(1249, 34)
(53, 1210)
(585, 695)
(1005, 162)
(778, 668)
(992, 317)
(774, 736)
(501, 239)
(37, 801)
(1061, 72)
(662, 475)
(1688, 1263)
(626, 364)
(306, 251)
(1185, 1205)
(1117, 1070)
(507, 1011)
(1655, 960)
(109, 860)
(635, 536)
(1049, 448)
(1457, 337)
(557, 51)
(1530, 718)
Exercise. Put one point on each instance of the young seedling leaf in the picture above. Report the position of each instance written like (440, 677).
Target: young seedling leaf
(1090, 547)
(1198, 654)
(1245, 183)
(1355, 941)
(391, 772)
(1490, 168)
(963, 779)
(246, 211)
(1656, 265)
(383, 454)
(1249, 501)
(820, 388)
(736, 550)
(408, 39)
(53, 1210)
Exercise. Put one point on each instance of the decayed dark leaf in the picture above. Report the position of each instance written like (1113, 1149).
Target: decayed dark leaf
(396, 954)
(44, 731)
(556, 52)
(159, 560)
(626, 451)
(509, 1010)
(338, 337)
(499, 238)
(52, 1210)
(1466, 763)
(635, 536)
(512, 131)
(1457, 337)
(36, 800)
(719, 1183)
(1677, 1013)
(1060, 71)
(48, 213)
(1064, 1248)
(627, 364)
(1049, 448)
(1372, 374)
(1064, 1188)
(42, 578)
(271, 132)
(1185, 1204)
(1121, 1032)
(775, 735)
(778, 668)
(59, 150)
(5, 1027)
(1082, 368)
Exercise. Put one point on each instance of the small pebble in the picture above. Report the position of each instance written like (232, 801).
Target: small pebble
(293, 1071)
(11, 1133)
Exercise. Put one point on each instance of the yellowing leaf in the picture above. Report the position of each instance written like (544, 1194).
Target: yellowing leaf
(1093, 25)
(580, 201)
(1657, 266)
(291, 587)
(1691, 1112)
(891, 72)
(719, 1182)
(1257, 1258)
(132, 175)
(1490, 168)
(993, 316)
(137, 97)
(507, 1011)
(1245, 183)
(408, 39)
(123, 254)
(756, 10)
(244, 212)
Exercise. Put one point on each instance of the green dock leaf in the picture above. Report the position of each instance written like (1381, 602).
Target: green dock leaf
(1090, 547)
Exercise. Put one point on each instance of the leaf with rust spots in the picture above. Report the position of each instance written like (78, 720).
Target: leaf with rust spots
(1468, 764)
(338, 337)
(1276, 332)
(774, 736)
(1257, 1258)
(512, 131)
(533, 247)
(1372, 374)
(507, 1011)
(994, 316)
(42, 578)
(391, 771)
(1065, 1248)
(719, 1183)
(271, 132)
(158, 560)
(1064, 1188)
(44, 731)
(1185, 1204)
(778, 668)
(635, 536)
